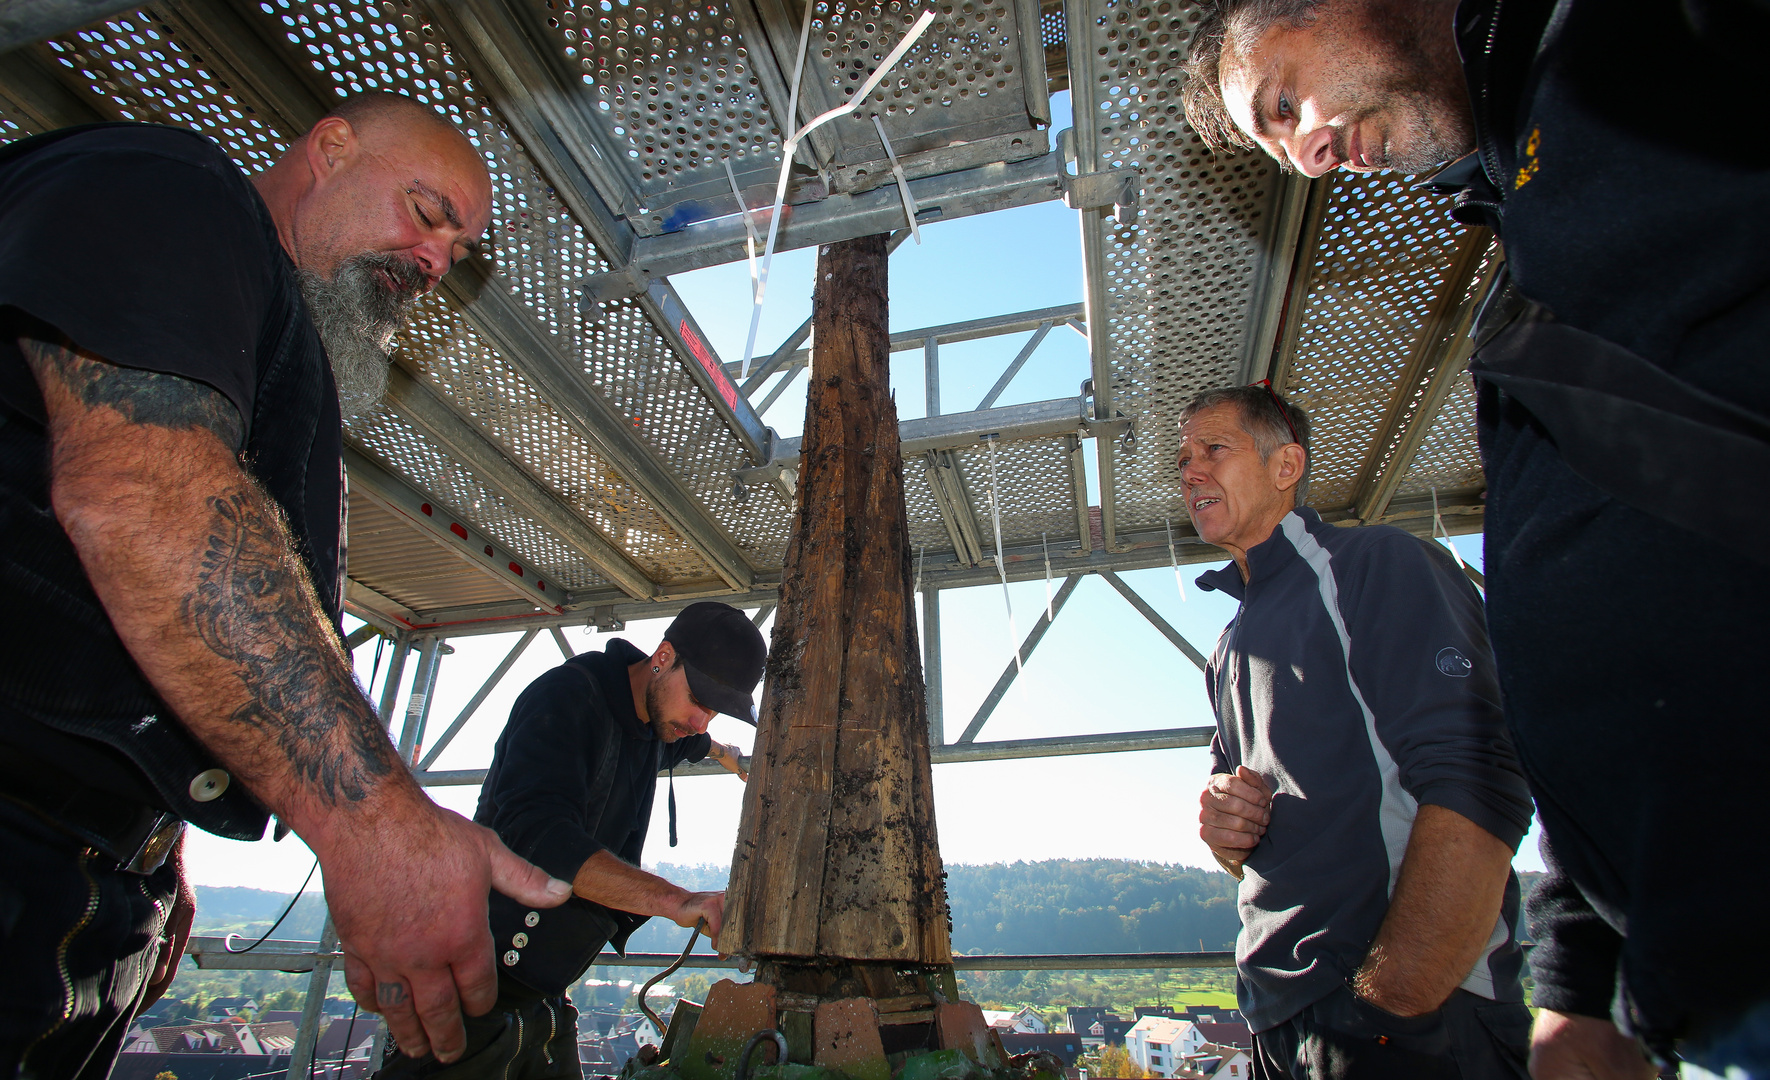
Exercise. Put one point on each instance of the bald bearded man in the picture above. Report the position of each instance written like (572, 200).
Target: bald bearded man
(178, 346)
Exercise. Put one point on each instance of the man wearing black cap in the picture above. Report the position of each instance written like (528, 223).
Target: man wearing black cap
(570, 788)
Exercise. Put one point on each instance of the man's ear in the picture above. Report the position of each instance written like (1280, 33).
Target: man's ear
(331, 144)
(1288, 465)
(665, 657)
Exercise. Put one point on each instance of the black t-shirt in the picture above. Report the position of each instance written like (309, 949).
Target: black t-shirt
(147, 246)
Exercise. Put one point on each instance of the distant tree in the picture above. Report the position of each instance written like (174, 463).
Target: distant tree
(694, 987)
(1113, 1062)
(283, 1001)
(166, 1074)
(179, 1012)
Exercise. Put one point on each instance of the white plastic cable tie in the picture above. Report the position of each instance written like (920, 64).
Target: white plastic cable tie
(1438, 529)
(791, 146)
(749, 231)
(995, 515)
(1174, 557)
(903, 184)
(788, 146)
(1050, 615)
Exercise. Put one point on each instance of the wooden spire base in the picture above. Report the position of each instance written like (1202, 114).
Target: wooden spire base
(864, 1021)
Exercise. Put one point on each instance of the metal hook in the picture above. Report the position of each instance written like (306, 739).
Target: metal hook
(780, 1044)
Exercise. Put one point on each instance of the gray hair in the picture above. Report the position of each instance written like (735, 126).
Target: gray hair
(1268, 417)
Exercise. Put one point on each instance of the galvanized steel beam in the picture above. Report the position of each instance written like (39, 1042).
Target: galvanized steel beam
(25, 21)
(418, 702)
(1140, 550)
(449, 530)
(1017, 322)
(372, 607)
(1302, 278)
(1079, 20)
(941, 471)
(951, 753)
(534, 351)
(396, 669)
(307, 1037)
(31, 90)
(962, 430)
(549, 111)
(432, 416)
(942, 197)
(1078, 482)
(1155, 619)
(210, 954)
(933, 667)
(1143, 961)
(1440, 351)
(1278, 257)
(479, 696)
(1015, 365)
(1036, 635)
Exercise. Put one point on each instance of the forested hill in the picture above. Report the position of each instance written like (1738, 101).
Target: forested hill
(1090, 905)
(1053, 906)
(1058, 905)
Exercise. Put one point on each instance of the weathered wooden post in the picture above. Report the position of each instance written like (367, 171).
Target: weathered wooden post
(837, 856)
(836, 890)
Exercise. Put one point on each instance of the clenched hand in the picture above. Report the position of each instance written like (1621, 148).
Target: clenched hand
(1234, 810)
(408, 897)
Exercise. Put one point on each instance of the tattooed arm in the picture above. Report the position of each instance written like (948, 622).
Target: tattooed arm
(195, 568)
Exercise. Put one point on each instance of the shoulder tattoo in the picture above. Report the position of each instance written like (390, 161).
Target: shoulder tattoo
(147, 398)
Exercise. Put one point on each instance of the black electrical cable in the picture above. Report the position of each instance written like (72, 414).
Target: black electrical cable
(342, 1054)
(228, 942)
(380, 643)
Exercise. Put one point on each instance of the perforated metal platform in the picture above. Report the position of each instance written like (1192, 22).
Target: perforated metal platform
(560, 443)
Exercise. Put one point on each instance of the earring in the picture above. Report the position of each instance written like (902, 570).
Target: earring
(655, 670)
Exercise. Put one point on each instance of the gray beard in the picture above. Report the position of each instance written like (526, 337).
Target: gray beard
(357, 316)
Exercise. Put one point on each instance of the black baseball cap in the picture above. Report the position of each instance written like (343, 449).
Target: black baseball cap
(723, 654)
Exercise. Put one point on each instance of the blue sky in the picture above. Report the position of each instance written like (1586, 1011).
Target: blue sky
(1101, 668)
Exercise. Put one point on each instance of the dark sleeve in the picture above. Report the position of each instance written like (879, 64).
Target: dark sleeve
(1574, 962)
(547, 763)
(1421, 660)
(692, 748)
(1220, 762)
(151, 260)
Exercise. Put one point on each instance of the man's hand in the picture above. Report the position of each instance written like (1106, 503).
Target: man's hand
(1234, 810)
(1564, 1046)
(173, 935)
(407, 895)
(729, 757)
(708, 907)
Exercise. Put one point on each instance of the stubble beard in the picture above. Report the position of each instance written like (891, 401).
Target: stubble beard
(655, 711)
(1421, 101)
(357, 314)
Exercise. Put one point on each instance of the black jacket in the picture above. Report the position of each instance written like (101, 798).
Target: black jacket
(573, 774)
(1630, 206)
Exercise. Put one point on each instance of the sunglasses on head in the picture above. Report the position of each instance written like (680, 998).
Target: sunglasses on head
(1282, 411)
